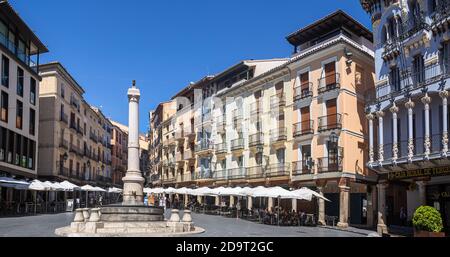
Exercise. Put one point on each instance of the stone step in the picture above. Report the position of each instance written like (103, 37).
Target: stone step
(131, 230)
(134, 225)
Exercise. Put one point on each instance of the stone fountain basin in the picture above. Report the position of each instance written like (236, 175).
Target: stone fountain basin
(127, 213)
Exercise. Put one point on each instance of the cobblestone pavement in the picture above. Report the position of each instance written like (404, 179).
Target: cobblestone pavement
(45, 225)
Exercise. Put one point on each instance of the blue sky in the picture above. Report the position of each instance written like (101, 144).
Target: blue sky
(164, 45)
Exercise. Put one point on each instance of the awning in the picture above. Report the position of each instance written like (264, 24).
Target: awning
(13, 183)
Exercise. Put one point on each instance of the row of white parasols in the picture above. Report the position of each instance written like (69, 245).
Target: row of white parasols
(303, 193)
(67, 186)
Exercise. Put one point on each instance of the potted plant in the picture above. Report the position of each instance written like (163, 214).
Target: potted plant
(427, 222)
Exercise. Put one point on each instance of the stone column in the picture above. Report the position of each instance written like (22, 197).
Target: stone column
(444, 94)
(186, 200)
(249, 202)
(410, 105)
(321, 203)
(371, 203)
(381, 225)
(427, 140)
(394, 110)
(422, 192)
(200, 199)
(344, 198)
(217, 200)
(231, 201)
(270, 203)
(370, 117)
(133, 182)
(380, 115)
(294, 204)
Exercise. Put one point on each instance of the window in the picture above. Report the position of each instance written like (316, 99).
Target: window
(19, 115)
(63, 93)
(32, 91)
(19, 81)
(394, 79)
(4, 107)
(418, 69)
(444, 56)
(3, 144)
(17, 151)
(32, 121)
(5, 71)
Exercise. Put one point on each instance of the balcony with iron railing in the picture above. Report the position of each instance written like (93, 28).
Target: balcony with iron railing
(237, 173)
(414, 24)
(278, 135)
(221, 125)
(221, 174)
(255, 172)
(409, 80)
(203, 146)
(237, 120)
(278, 170)
(17, 52)
(301, 168)
(277, 101)
(329, 164)
(179, 157)
(221, 148)
(256, 108)
(303, 91)
(330, 122)
(303, 128)
(204, 173)
(93, 137)
(256, 139)
(237, 144)
(329, 82)
(441, 14)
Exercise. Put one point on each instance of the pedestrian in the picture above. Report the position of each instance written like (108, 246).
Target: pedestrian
(403, 216)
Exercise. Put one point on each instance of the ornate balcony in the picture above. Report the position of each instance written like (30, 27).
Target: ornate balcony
(64, 144)
(256, 140)
(237, 144)
(256, 108)
(329, 164)
(221, 149)
(236, 173)
(300, 168)
(278, 135)
(303, 128)
(255, 172)
(303, 91)
(277, 101)
(179, 135)
(329, 82)
(330, 122)
(278, 170)
(204, 147)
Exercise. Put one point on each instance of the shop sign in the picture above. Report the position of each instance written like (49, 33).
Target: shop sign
(430, 172)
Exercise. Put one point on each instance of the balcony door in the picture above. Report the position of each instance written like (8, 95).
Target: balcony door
(304, 83)
(331, 106)
(330, 74)
(306, 154)
(333, 156)
(305, 118)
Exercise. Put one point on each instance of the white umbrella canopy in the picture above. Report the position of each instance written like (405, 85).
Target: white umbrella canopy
(202, 191)
(99, 189)
(217, 190)
(37, 185)
(258, 191)
(52, 186)
(114, 190)
(69, 186)
(169, 190)
(88, 188)
(233, 191)
(183, 191)
(307, 194)
(58, 187)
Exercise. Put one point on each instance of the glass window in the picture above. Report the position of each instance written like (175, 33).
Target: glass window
(3, 144)
(19, 81)
(5, 71)
(32, 121)
(19, 115)
(4, 107)
(32, 91)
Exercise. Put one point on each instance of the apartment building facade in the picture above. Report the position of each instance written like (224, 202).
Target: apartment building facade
(288, 122)
(20, 49)
(119, 146)
(74, 136)
(408, 113)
